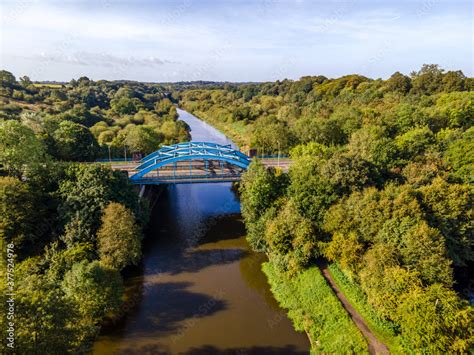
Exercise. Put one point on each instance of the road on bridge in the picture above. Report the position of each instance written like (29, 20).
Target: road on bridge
(282, 163)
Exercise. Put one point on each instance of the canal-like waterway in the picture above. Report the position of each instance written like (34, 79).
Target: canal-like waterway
(199, 288)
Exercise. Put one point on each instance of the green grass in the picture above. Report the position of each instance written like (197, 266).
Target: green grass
(39, 85)
(383, 329)
(237, 131)
(314, 308)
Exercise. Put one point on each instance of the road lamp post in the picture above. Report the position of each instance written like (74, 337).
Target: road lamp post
(110, 157)
(278, 159)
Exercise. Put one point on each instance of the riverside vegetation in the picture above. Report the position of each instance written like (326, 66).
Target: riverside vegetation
(75, 226)
(381, 186)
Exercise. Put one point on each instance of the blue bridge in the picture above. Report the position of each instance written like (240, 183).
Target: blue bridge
(190, 162)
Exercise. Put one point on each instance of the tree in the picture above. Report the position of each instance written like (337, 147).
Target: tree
(126, 106)
(81, 115)
(259, 188)
(414, 142)
(271, 136)
(163, 107)
(85, 192)
(106, 137)
(449, 208)
(94, 288)
(7, 79)
(459, 156)
(19, 148)
(453, 110)
(143, 139)
(399, 82)
(74, 142)
(348, 173)
(371, 144)
(290, 238)
(119, 237)
(423, 249)
(320, 130)
(17, 223)
(435, 320)
(45, 322)
(454, 81)
(311, 192)
(428, 80)
(346, 250)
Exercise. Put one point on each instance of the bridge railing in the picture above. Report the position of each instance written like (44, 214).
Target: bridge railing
(188, 178)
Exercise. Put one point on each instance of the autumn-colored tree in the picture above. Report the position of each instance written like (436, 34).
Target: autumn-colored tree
(119, 237)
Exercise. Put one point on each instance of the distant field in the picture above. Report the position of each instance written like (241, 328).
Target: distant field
(39, 85)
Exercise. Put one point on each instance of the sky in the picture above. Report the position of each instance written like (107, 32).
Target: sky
(262, 40)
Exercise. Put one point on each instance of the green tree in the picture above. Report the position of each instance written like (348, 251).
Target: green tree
(85, 192)
(45, 322)
(399, 82)
(143, 139)
(459, 156)
(94, 288)
(74, 142)
(414, 142)
(312, 192)
(449, 208)
(270, 136)
(7, 79)
(259, 188)
(454, 81)
(19, 148)
(290, 238)
(428, 80)
(435, 320)
(119, 237)
(348, 173)
(18, 223)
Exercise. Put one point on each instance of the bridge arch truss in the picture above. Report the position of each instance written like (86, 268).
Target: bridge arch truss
(191, 162)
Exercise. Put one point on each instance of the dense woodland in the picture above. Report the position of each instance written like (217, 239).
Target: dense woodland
(74, 226)
(81, 120)
(381, 186)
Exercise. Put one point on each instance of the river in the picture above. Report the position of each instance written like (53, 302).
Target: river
(199, 288)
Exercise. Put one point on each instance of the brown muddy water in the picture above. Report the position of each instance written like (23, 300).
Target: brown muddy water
(199, 288)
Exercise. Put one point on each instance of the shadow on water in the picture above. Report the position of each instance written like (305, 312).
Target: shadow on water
(167, 305)
(254, 350)
(231, 223)
(181, 261)
(212, 350)
(199, 288)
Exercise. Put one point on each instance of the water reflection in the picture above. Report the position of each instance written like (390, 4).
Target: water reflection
(199, 289)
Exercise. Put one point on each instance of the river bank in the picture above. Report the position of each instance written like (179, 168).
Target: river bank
(200, 288)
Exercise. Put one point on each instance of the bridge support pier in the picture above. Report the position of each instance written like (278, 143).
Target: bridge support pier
(142, 192)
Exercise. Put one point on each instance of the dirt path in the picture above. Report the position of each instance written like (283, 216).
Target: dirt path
(375, 346)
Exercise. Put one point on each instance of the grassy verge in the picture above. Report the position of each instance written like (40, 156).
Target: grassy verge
(383, 329)
(314, 308)
(237, 131)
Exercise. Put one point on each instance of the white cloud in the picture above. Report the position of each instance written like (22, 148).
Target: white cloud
(163, 40)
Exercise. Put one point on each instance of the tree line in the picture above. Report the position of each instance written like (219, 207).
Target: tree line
(84, 120)
(75, 226)
(381, 186)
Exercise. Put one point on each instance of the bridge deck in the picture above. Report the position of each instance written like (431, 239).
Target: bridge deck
(192, 162)
(194, 171)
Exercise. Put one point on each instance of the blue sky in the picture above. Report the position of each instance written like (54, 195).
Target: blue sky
(232, 40)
